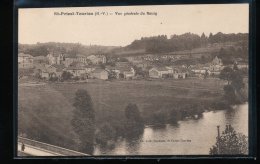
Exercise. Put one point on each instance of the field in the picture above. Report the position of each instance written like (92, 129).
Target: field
(45, 111)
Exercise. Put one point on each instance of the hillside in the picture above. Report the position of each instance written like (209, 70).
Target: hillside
(159, 45)
(187, 41)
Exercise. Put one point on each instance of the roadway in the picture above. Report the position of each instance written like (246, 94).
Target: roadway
(35, 151)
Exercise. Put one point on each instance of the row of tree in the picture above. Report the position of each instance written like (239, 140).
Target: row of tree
(187, 41)
(43, 49)
(155, 44)
(234, 87)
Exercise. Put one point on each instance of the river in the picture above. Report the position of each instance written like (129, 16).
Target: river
(188, 137)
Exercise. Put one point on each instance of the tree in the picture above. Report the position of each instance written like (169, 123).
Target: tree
(206, 75)
(132, 113)
(66, 75)
(226, 74)
(123, 60)
(112, 75)
(211, 38)
(234, 86)
(175, 116)
(230, 143)
(103, 66)
(53, 78)
(37, 73)
(237, 80)
(83, 120)
(139, 71)
(235, 68)
(134, 122)
(203, 39)
(230, 95)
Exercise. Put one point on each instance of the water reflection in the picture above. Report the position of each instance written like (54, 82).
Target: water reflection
(172, 139)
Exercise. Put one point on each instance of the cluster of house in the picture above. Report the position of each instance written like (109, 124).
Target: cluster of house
(212, 68)
(199, 70)
(53, 65)
(183, 71)
(152, 58)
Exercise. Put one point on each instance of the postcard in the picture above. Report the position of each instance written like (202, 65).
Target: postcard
(133, 80)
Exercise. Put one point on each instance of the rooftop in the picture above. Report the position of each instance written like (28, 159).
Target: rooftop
(75, 68)
(161, 68)
(24, 55)
(98, 70)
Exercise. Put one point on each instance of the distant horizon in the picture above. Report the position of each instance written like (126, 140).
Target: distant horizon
(168, 37)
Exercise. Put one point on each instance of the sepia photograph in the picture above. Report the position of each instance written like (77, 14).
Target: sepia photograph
(133, 80)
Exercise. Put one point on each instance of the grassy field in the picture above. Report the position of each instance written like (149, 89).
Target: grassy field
(45, 111)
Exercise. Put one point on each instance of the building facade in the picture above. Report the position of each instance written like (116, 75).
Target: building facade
(25, 60)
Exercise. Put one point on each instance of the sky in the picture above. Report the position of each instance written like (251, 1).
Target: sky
(42, 25)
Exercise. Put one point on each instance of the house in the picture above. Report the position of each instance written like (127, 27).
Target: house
(242, 65)
(198, 70)
(40, 60)
(69, 59)
(82, 59)
(55, 58)
(180, 72)
(56, 69)
(123, 64)
(114, 70)
(25, 60)
(76, 71)
(89, 69)
(122, 72)
(217, 61)
(42, 72)
(97, 59)
(100, 74)
(127, 72)
(45, 75)
(160, 72)
(77, 64)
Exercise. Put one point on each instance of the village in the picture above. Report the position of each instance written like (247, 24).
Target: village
(61, 67)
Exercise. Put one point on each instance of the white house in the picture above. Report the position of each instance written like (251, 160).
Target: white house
(100, 74)
(76, 71)
(55, 58)
(97, 59)
(160, 72)
(25, 60)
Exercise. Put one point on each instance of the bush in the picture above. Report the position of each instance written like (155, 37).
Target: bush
(76, 78)
(230, 142)
(53, 79)
(159, 117)
(66, 75)
(175, 116)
